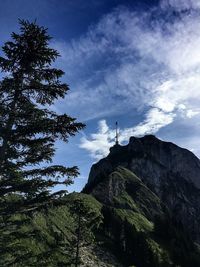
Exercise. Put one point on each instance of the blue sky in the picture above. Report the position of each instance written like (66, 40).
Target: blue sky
(137, 62)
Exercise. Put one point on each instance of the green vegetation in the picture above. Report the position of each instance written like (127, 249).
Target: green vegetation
(31, 232)
(135, 195)
(28, 126)
(141, 230)
(137, 220)
(48, 237)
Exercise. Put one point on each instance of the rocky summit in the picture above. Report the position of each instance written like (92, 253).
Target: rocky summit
(150, 191)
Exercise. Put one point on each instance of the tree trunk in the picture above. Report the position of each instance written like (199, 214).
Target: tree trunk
(78, 239)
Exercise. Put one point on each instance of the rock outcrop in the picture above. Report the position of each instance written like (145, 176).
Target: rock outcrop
(170, 172)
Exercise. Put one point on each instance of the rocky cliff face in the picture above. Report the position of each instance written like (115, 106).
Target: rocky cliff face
(170, 172)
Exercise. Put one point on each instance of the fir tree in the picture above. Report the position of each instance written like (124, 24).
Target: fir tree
(87, 223)
(28, 128)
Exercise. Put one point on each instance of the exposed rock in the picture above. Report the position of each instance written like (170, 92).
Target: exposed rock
(97, 256)
(171, 172)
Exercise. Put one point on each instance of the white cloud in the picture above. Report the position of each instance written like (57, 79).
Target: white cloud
(155, 120)
(191, 113)
(180, 5)
(100, 142)
(127, 62)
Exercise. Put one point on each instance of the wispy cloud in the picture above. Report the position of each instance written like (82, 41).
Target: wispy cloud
(180, 5)
(98, 144)
(129, 61)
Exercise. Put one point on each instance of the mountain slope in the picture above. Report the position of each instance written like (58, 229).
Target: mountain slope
(48, 237)
(140, 208)
(171, 172)
(140, 228)
(154, 184)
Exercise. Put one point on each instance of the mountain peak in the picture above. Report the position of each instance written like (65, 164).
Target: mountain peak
(172, 173)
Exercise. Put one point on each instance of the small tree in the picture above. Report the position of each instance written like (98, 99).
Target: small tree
(87, 221)
(28, 128)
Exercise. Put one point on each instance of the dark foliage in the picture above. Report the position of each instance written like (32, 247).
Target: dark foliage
(28, 128)
(86, 226)
(183, 250)
(133, 246)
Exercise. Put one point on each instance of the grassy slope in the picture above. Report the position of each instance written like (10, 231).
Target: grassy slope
(132, 209)
(46, 237)
(142, 232)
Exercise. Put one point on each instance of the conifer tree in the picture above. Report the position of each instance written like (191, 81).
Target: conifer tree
(87, 222)
(28, 127)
